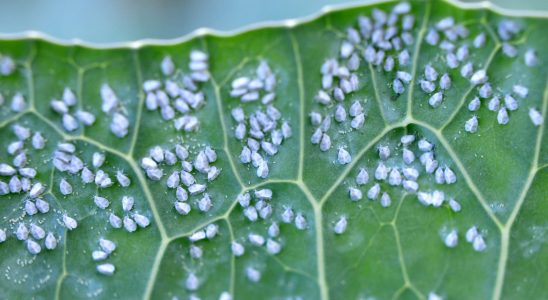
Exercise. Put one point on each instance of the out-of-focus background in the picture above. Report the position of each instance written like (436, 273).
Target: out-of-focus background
(107, 21)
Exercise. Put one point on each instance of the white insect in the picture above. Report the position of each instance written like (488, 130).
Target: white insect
(300, 222)
(343, 157)
(51, 242)
(536, 117)
(479, 243)
(502, 116)
(288, 215)
(385, 200)
(273, 247)
(451, 239)
(129, 224)
(253, 274)
(394, 178)
(101, 202)
(69, 222)
(211, 231)
(274, 230)
(106, 269)
(141, 220)
(479, 77)
(65, 187)
(237, 249)
(355, 194)
(42, 206)
(381, 173)
(374, 191)
(340, 225)
(22, 232)
(182, 208)
(471, 125)
(37, 232)
(107, 246)
(98, 255)
(33, 247)
(115, 221)
(454, 205)
(474, 104)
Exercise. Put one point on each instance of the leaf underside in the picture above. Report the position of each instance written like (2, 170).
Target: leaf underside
(386, 252)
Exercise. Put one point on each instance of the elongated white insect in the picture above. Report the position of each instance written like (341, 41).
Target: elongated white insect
(471, 125)
(274, 230)
(288, 215)
(394, 178)
(51, 242)
(436, 99)
(253, 274)
(273, 247)
(256, 239)
(42, 206)
(33, 247)
(381, 172)
(471, 234)
(502, 116)
(454, 205)
(386, 201)
(362, 177)
(237, 249)
(115, 221)
(107, 246)
(300, 222)
(479, 77)
(265, 194)
(69, 222)
(37, 232)
(3, 235)
(106, 269)
(141, 220)
(101, 202)
(99, 255)
(205, 204)
(408, 156)
(374, 191)
(467, 70)
(427, 86)
(531, 58)
(536, 117)
(182, 208)
(445, 82)
(30, 208)
(22, 232)
(479, 40)
(18, 103)
(167, 66)
(410, 186)
(355, 194)
(451, 239)
(474, 104)
(479, 243)
(129, 224)
(65, 187)
(485, 91)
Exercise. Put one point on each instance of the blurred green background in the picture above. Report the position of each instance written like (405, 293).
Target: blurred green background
(105, 21)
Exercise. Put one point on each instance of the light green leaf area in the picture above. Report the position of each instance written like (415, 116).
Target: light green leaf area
(393, 250)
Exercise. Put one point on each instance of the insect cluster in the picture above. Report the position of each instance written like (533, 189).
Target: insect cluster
(179, 94)
(260, 132)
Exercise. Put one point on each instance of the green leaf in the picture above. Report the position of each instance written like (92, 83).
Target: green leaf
(398, 251)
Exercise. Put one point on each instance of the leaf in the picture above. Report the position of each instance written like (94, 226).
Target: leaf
(397, 251)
